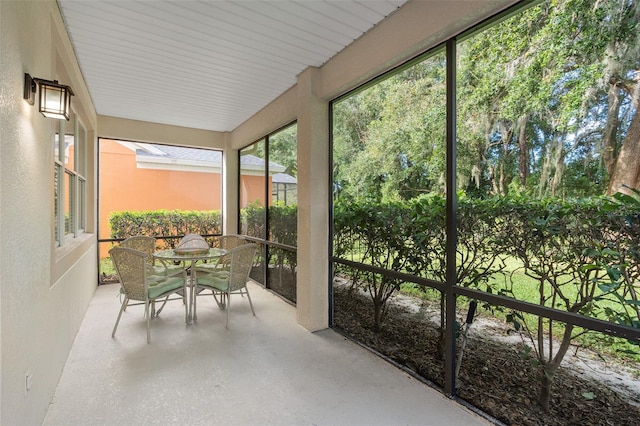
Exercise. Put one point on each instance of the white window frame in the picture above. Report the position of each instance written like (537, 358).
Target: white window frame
(76, 179)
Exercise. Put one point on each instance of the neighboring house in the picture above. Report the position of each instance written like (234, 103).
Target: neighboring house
(284, 189)
(142, 176)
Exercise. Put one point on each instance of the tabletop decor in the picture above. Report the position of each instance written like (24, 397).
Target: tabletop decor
(192, 244)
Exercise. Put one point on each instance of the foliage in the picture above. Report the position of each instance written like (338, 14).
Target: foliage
(545, 101)
(282, 229)
(620, 259)
(165, 223)
(410, 237)
(283, 222)
(283, 149)
(377, 233)
(393, 135)
(283, 226)
(581, 256)
(552, 240)
(252, 219)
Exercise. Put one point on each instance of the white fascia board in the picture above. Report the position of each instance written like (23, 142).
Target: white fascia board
(164, 163)
(173, 164)
(258, 170)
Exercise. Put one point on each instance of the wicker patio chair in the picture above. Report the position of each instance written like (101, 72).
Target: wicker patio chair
(147, 244)
(232, 281)
(140, 285)
(226, 242)
(220, 266)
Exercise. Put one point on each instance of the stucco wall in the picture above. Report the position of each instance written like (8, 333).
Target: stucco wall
(44, 291)
(126, 187)
(141, 131)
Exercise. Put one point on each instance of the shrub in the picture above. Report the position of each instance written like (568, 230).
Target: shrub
(160, 223)
(580, 254)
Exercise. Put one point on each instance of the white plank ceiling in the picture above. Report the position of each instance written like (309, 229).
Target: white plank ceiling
(206, 64)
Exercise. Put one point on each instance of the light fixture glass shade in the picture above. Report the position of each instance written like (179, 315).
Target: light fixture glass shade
(55, 100)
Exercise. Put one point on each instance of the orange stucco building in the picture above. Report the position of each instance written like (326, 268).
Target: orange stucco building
(141, 177)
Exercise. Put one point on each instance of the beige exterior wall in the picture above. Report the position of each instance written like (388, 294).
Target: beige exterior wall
(140, 131)
(44, 291)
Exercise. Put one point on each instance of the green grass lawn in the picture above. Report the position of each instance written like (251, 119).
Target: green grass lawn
(514, 283)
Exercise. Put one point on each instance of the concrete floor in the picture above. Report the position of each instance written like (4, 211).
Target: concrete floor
(264, 370)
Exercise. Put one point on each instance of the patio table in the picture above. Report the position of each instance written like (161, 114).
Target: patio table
(189, 259)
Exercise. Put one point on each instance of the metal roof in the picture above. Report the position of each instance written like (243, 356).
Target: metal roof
(207, 157)
(283, 178)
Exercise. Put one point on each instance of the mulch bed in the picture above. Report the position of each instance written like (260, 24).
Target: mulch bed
(494, 376)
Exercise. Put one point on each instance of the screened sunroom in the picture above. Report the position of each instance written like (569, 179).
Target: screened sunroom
(443, 197)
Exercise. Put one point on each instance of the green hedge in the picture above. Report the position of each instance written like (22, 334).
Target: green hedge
(165, 223)
(580, 256)
(282, 227)
(577, 243)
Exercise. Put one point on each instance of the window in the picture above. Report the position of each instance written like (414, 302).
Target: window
(252, 190)
(268, 208)
(69, 180)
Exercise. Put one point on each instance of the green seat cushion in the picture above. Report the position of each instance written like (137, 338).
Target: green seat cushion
(222, 274)
(214, 281)
(155, 279)
(164, 286)
(175, 270)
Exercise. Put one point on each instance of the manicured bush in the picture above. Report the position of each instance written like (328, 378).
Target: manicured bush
(583, 256)
(159, 223)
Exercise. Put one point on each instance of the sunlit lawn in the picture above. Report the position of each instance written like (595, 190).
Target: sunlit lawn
(513, 282)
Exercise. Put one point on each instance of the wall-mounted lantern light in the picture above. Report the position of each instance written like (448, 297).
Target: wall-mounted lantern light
(55, 98)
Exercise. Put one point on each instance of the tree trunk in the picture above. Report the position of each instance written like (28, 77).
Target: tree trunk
(523, 151)
(546, 170)
(507, 134)
(377, 307)
(377, 318)
(494, 182)
(548, 370)
(611, 128)
(552, 167)
(626, 171)
(544, 397)
(559, 168)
